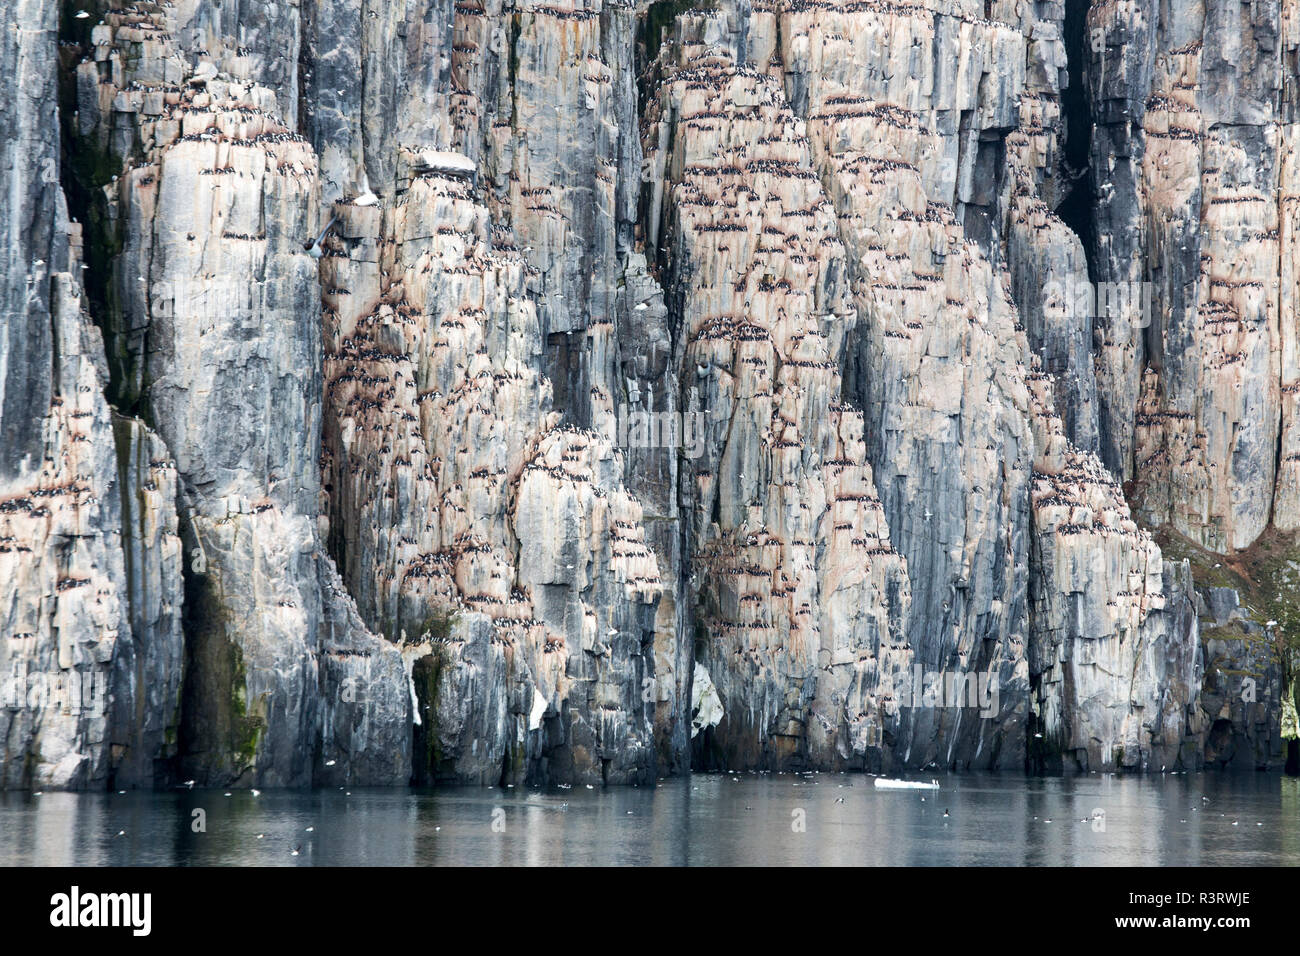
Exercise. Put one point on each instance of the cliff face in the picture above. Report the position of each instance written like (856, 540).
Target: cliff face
(801, 599)
(90, 590)
(492, 540)
(519, 391)
(233, 673)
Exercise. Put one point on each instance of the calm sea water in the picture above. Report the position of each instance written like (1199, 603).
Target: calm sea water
(1212, 819)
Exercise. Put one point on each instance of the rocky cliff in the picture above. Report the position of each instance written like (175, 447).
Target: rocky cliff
(582, 391)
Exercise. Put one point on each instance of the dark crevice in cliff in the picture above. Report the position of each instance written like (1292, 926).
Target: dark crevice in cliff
(219, 733)
(1076, 210)
(306, 69)
(86, 168)
(426, 674)
(653, 222)
(654, 30)
(647, 45)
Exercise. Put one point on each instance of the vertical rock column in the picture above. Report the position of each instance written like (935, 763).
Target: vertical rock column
(1193, 149)
(1115, 657)
(490, 539)
(934, 359)
(544, 97)
(943, 362)
(800, 598)
(90, 640)
(217, 323)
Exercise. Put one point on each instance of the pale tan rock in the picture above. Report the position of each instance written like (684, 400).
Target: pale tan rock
(802, 597)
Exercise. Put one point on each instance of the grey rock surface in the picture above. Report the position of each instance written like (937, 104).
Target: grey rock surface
(736, 388)
(89, 572)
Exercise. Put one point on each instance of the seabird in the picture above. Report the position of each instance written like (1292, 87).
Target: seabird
(313, 245)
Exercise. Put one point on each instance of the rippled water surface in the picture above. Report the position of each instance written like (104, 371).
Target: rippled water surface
(1212, 819)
